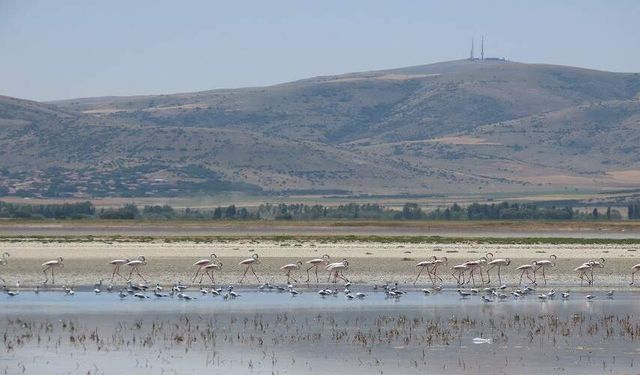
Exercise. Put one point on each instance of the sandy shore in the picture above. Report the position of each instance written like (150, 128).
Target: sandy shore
(87, 262)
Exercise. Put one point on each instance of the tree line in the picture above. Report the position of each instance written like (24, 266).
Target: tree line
(298, 211)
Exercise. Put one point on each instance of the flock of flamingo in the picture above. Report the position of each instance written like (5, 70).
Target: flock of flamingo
(463, 273)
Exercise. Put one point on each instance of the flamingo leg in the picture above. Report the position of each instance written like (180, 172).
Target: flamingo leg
(210, 274)
(244, 274)
(633, 277)
(544, 277)
(317, 280)
(196, 275)
(341, 276)
(533, 281)
(46, 277)
(488, 275)
(254, 273)
(499, 278)
(308, 277)
(139, 274)
(416, 280)
(113, 275)
(521, 276)
(53, 277)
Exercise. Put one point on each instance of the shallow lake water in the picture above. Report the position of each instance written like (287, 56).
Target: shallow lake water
(276, 333)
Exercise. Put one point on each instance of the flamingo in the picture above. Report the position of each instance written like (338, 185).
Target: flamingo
(542, 264)
(336, 270)
(249, 263)
(135, 266)
(425, 264)
(315, 263)
(527, 268)
(458, 272)
(474, 265)
(4, 260)
(500, 262)
(200, 264)
(210, 268)
(289, 268)
(117, 263)
(634, 269)
(52, 265)
(596, 264)
(434, 270)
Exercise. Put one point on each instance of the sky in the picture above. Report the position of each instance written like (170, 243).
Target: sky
(53, 50)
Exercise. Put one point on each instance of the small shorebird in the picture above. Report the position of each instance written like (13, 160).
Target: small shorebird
(51, 265)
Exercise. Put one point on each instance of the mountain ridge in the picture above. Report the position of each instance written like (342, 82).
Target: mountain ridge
(451, 127)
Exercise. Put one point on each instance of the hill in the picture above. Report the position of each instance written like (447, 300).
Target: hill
(446, 128)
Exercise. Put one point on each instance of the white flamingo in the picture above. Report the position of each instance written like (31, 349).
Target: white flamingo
(634, 269)
(474, 265)
(337, 269)
(582, 273)
(500, 262)
(249, 263)
(425, 265)
(52, 265)
(4, 260)
(289, 268)
(437, 262)
(458, 272)
(210, 268)
(527, 269)
(117, 263)
(315, 263)
(543, 264)
(135, 266)
(588, 266)
(200, 266)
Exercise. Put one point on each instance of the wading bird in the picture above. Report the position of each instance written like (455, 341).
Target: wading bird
(425, 265)
(210, 268)
(51, 265)
(337, 269)
(588, 267)
(476, 265)
(135, 267)
(543, 264)
(458, 272)
(249, 263)
(117, 263)
(437, 262)
(3, 262)
(289, 268)
(501, 262)
(315, 263)
(200, 266)
(527, 269)
(634, 269)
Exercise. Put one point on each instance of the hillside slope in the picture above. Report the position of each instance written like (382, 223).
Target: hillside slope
(453, 127)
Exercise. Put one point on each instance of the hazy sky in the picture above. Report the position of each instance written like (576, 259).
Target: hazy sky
(65, 49)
